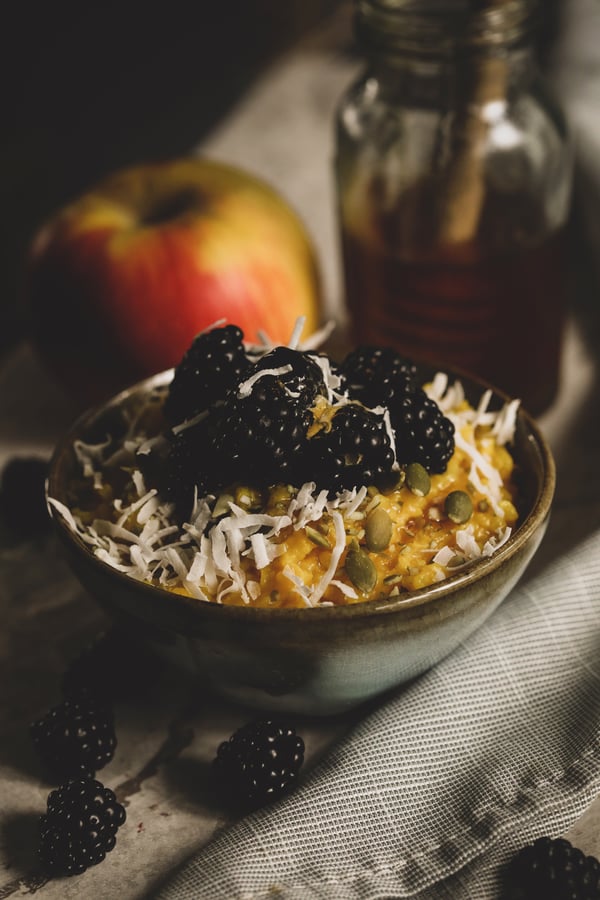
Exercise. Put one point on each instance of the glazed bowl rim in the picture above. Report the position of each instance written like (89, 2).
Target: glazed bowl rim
(476, 571)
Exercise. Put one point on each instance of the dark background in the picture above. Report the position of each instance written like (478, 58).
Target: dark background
(88, 87)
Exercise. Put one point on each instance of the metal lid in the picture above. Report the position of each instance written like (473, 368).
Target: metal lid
(441, 27)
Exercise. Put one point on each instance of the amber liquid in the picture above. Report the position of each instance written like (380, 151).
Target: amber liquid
(498, 317)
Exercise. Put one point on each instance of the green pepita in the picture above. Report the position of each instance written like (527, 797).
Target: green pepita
(417, 479)
(360, 570)
(317, 538)
(456, 561)
(378, 530)
(392, 579)
(222, 507)
(458, 506)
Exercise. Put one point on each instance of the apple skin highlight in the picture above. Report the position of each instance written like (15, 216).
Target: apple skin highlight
(117, 291)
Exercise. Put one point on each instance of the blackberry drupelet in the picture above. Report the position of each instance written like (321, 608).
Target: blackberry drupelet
(79, 827)
(423, 433)
(215, 362)
(259, 762)
(355, 450)
(553, 869)
(75, 738)
(378, 376)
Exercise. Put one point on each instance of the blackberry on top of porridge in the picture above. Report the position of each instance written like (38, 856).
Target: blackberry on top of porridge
(275, 476)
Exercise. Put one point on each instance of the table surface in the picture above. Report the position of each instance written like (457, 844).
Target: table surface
(168, 729)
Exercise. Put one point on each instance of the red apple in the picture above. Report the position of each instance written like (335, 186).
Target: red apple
(122, 279)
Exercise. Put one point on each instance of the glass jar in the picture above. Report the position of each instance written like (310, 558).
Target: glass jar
(453, 170)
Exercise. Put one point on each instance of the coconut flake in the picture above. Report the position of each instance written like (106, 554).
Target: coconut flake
(336, 553)
(506, 421)
(245, 388)
(296, 333)
(301, 589)
(189, 423)
(496, 541)
(466, 542)
(443, 556)
(346, 590)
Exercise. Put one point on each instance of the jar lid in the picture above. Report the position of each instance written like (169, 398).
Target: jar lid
(442, 27)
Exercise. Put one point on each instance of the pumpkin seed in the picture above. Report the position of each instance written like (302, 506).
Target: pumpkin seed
(392, 481)
(248, 498)
(221, 507)
(360, 570)
(317, 538)
(417, 479)
(458, 507)
(392, 579)
(378, 530)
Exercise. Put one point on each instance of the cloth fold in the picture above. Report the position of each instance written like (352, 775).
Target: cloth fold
(434, 790)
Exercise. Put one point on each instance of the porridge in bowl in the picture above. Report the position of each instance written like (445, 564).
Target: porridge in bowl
(278, 477)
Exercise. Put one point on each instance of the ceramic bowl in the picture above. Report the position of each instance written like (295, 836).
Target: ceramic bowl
(314, 661)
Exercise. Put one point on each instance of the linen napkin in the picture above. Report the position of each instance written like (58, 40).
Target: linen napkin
(434, 790)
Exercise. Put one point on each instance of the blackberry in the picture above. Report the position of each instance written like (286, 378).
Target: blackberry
(79, 827)
(259, 762)
(107, 668)
(304, 380)
(192, 462)
(423, 433)
(261, 440)
(260, 432)
(378, 376)
(554, 869)
(215, 362)
(22, 496)
(75, 738)
(354, 450)
(255, 435)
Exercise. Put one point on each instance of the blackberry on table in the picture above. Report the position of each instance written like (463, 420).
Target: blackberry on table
(259, 762)
(75, 738)
(215, 361)
(107, 668)
(423, 433)
(354, 450)
(79, 827)
(22, 495)
(553, 869)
